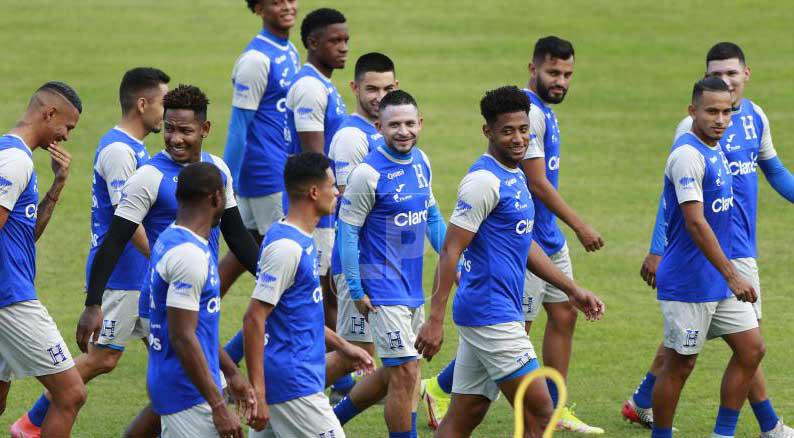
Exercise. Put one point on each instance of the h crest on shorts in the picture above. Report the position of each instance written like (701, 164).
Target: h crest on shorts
(395, 340)
(57, 354)
(691, 339)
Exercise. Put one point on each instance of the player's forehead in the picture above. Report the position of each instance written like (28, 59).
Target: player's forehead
(335, 31)
(399, 114)
(719, 100)
(377, 79)
(550, 62)
(512, 120)
(724, 66)
(180, 117)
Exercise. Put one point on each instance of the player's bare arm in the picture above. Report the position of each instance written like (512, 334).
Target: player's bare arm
(242, 392)
(141, 242)
(61, 161)
(357, 356)
(254, 339)
(312, 141)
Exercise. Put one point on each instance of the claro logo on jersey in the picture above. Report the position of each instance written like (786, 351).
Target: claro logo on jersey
(524, 226)
(410, 218)
(554, 162)
(31, 211)
(722, 204)
(744, 167)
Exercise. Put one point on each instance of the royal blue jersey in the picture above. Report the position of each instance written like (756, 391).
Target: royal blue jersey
(19, 194)
(288, 278)
(695, 172)
(117, 156)
(545, 144)
(388, 196)
(183, 274)
(262, 76)
(495, 204)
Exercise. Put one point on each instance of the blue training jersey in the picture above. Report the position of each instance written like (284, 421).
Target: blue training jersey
(115, 144)
(19, 194)
(262, 77)
(695, 172)
(495, 204)
(183, 274)
(388, 196)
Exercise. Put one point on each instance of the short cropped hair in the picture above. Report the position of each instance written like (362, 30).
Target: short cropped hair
(710, 83)
(553, 46)
(252, 4)
(319, 19)
(725, 50)
(187, 97)
(303, 170)
(396, 98)
(503, 100)
(65, 91)
(137, 81)
(197, 181)
(372, 62)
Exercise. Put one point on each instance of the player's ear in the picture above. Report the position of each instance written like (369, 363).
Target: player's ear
(396, 84)
(314, 192)
(531, 68)
(486, 130)
(421, 123)
(205, 128)
(691, 110)
(140, 104)
(354, 87)
(747, 73)
(377, 124)
(49, 113)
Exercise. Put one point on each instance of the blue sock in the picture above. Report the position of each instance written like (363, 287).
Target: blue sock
(642, 396)
(765, 414)
(726, 422)
(413, 425)
(235, 348)
(552, 392)
(662, 432)
(445, 377)
(344, 384)
(39, 411)
(400, 434)
(345, 411)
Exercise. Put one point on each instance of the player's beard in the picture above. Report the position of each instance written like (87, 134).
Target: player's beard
(545, 94)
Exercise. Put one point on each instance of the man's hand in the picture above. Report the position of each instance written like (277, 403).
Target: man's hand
(364, 306)
(243, 395)
(261, 414)
(61, 161)
(88, 327)
(590, 239)
(226, 422)
(586, 301)
(359, 357)
(649, 267)
(431, 336)
(743, 289)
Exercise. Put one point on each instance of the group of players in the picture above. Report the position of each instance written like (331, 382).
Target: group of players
(335, 286)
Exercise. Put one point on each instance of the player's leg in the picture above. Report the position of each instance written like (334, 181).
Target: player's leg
(368, 391)
(351, 326)
(435, 392)
(68, 396)
(5, 386)
(637, 409)
(145, 425)
(466, 412)
(667, 390)
(537, 401)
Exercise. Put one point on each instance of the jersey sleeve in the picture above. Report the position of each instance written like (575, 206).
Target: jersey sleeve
(250, 79)
(478, 195)
(683, 127)
(308, 99)
(116, 163)
(278, 264)
(348, 148)
(16, 168)
(767, 150)
(359, 197)
(185, 269)
(231, 201)
(686, 169)
(139, 194)
(537, 130)
(432, 200)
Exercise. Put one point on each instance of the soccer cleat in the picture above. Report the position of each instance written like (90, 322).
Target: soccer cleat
(780, 431)
(569, 422)
(635, 414)
(436, 401)
(23, 428)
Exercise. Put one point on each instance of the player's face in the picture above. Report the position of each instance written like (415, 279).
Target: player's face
(711, 115)
(153, 109)
(371, 89)
(59, 122)
(183, 134)
(552, 78)
(278, 14)
(331, 45)
(508, 137)
(400, 126)
(326, 194)
(733, 72)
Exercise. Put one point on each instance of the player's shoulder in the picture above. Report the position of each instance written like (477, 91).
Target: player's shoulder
(218, 161)
(367, 169)
(757, 110)
(482, 176)
(285, 243)
(16, 156)
(684, 152)
(252, 58)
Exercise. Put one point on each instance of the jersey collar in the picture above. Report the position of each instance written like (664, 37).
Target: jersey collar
(309, 64)
(355, 114)
(132, 137)
(516, 170)
(279, 43)
(30, 152)
(284, 221)
(396, 158)
(713, 148)
(201, 239)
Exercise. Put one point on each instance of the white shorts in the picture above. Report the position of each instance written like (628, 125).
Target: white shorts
(489, 354)
(260, 213)
(394, 330)
(310, 416)
(194, 422)
(324, 239)
(688, 325)
(121, 322)
(748, 268)
(30, 344)
(537, 291)
(350, 323)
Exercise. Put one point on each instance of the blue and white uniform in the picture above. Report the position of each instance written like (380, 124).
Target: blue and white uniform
(149, 197)
(694, 297)
(261, 77)
(30, 344)
(183, 275)
(545, 143)
(315, 105)
(355, 138)
(294, 362)
(388, 199)
(117, 157)
(495, 204)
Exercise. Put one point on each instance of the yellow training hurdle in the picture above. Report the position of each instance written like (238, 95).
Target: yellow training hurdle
(518, 407)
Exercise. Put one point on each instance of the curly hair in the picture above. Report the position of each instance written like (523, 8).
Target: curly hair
(187, 97)
(319, 19)
(503, 100)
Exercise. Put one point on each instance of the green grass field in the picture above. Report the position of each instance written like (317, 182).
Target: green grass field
(636, 62)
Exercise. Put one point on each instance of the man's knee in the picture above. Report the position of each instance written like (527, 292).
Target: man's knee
(562, 316)
(753, 355)
(72, 398)
(404, 375)
(680, 366)
(104, 360)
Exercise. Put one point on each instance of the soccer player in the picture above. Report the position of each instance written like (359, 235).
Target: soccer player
(696, 282)
(357, 136)
(119, 153)
(30, 344)
(747, 145)
(149, 198)
(255, 149)
(289, 381)
(185, 358)
(492, 227)
(387, 208)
